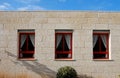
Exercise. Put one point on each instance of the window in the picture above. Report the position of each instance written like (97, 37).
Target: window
(26, 44)
(63, 44)
(100, 44)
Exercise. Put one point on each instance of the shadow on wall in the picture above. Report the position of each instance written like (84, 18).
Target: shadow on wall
(34, 66)
(38, 68)
(84, 76)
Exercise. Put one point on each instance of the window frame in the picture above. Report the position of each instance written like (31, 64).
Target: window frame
(107, 43)
(26, 52)
(63, 52)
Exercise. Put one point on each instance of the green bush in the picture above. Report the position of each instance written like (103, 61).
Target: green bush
(66, 72)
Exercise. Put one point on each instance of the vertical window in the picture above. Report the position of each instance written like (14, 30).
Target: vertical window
(63, 44)
(100, 44)
(26, 44)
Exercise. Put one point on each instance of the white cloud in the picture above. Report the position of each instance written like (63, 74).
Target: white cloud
(30, 7)
(5, 6)
(28, 1)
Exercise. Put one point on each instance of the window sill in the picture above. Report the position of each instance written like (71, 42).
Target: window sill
(102, 60)
(65, 60)
(27, 59)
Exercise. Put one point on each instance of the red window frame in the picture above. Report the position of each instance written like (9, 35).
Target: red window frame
(26, 52)
(63, 52)
(107, 48)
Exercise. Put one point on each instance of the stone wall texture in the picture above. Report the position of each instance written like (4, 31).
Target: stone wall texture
(45, 23)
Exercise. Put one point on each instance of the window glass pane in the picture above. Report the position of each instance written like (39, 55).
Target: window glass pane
(31, 41)
(23, 43)
(103, 42)
(59, 42)
(103, 49)
(100, 45)
(67, 42)
(96, 47)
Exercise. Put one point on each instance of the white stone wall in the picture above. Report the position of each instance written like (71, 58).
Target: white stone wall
(45, 23)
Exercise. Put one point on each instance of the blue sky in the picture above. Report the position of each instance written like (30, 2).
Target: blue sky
(29, 5)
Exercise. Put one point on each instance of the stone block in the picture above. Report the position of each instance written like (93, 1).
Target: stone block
(64, 26)
(114, 26)
(3, 55)
(54, 20)
(104, 15)
(39, 20)
(92, 21)
(1, 26)
(103, 21)
(91, 15)
(115, 21)
(78, 42)
(34, 26)
(77, 53)
(114, 33)
(3, 44)
(24, 14)
(74, 20)
(70, 14)
(101, 27)
(88, 26)
(88, 44)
